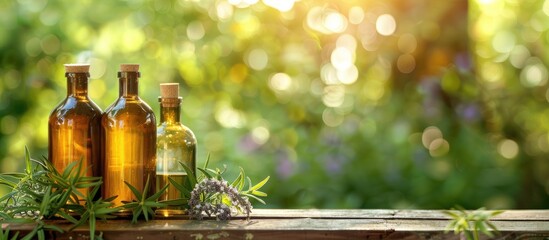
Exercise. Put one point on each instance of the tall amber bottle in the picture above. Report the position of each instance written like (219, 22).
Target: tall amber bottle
(129, 129)
(175, 143)
(74, 126)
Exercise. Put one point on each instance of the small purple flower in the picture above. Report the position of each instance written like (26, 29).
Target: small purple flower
(207, 199)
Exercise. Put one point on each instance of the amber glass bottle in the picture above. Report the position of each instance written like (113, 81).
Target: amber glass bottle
(129, 133)
(175, 143)
(74, 127)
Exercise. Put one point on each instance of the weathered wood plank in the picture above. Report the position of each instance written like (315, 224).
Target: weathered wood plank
(304, 224)
(514, 215)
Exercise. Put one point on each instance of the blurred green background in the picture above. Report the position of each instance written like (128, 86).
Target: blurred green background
(345, 104)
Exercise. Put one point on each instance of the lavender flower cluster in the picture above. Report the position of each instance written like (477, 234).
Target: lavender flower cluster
(207, 199)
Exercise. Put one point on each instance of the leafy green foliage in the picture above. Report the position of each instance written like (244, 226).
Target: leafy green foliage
(320, 138)
(41, 193)
(471, 223)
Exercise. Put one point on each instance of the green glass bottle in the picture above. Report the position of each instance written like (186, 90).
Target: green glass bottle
(175, 143)
(74, 126)
(129, 135)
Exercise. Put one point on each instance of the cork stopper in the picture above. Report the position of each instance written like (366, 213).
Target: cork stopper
(77, 68)
(129, 67)
(169, 90)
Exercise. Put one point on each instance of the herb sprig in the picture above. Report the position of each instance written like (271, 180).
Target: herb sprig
(472, 223)
(210, 194)
(41, 193)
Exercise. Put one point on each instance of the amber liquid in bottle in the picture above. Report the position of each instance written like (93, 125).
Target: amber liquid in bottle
(74, 126)
(129, 129)
(176, 144)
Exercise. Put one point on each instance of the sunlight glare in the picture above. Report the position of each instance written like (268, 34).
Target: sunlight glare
(280, 5)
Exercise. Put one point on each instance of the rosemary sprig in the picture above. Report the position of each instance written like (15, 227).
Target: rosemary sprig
(471, 223)
(41, 193)
(145, 204)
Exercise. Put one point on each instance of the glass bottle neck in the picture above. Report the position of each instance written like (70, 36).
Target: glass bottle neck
(170, 114)
(77, 84)
(128, 82)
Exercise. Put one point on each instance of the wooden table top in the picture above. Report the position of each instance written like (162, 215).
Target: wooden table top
(307, 224)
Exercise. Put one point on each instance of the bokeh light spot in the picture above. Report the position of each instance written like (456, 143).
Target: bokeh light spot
(439, 147)
(508, 148)
(50, 44)
(280, 5)
(429, 135)
(534, 74)
(260, 135)
(334, 95)
(280, 82)
(257, 59)
(224, 10)
(342, 58)
(518, 56)
(335, 22)
(406, 63)
(348, 76)
(98, 67)
(195, 31)
(328, 74)
(503, 42)
(97, 89)
(229, 117)
(33, 47)
(356, 15)
(407, 43)
(346, 41)
(331, 117)
(386, 24)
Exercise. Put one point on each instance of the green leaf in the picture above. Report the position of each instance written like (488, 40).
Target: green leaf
(134, 190)
(66, 216)
(136, 213)
(259, 193)
(110, 199)
(175, 202)
(207, 162)
(190, 174)
(260, 184)
(206, 173)
(54, 228)
(238, 179)
(254, 197)
(186, 192)
(45, 202)
(68, 169)
(92, 228)
(159, 193)
(146, 188)
(28, 165)
(155, 204)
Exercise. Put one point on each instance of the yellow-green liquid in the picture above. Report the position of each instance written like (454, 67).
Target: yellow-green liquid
(163, 179)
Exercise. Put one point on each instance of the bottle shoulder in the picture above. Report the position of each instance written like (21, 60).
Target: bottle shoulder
(177, 130)
(71, 106)
(129, 105)
(129, 112)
